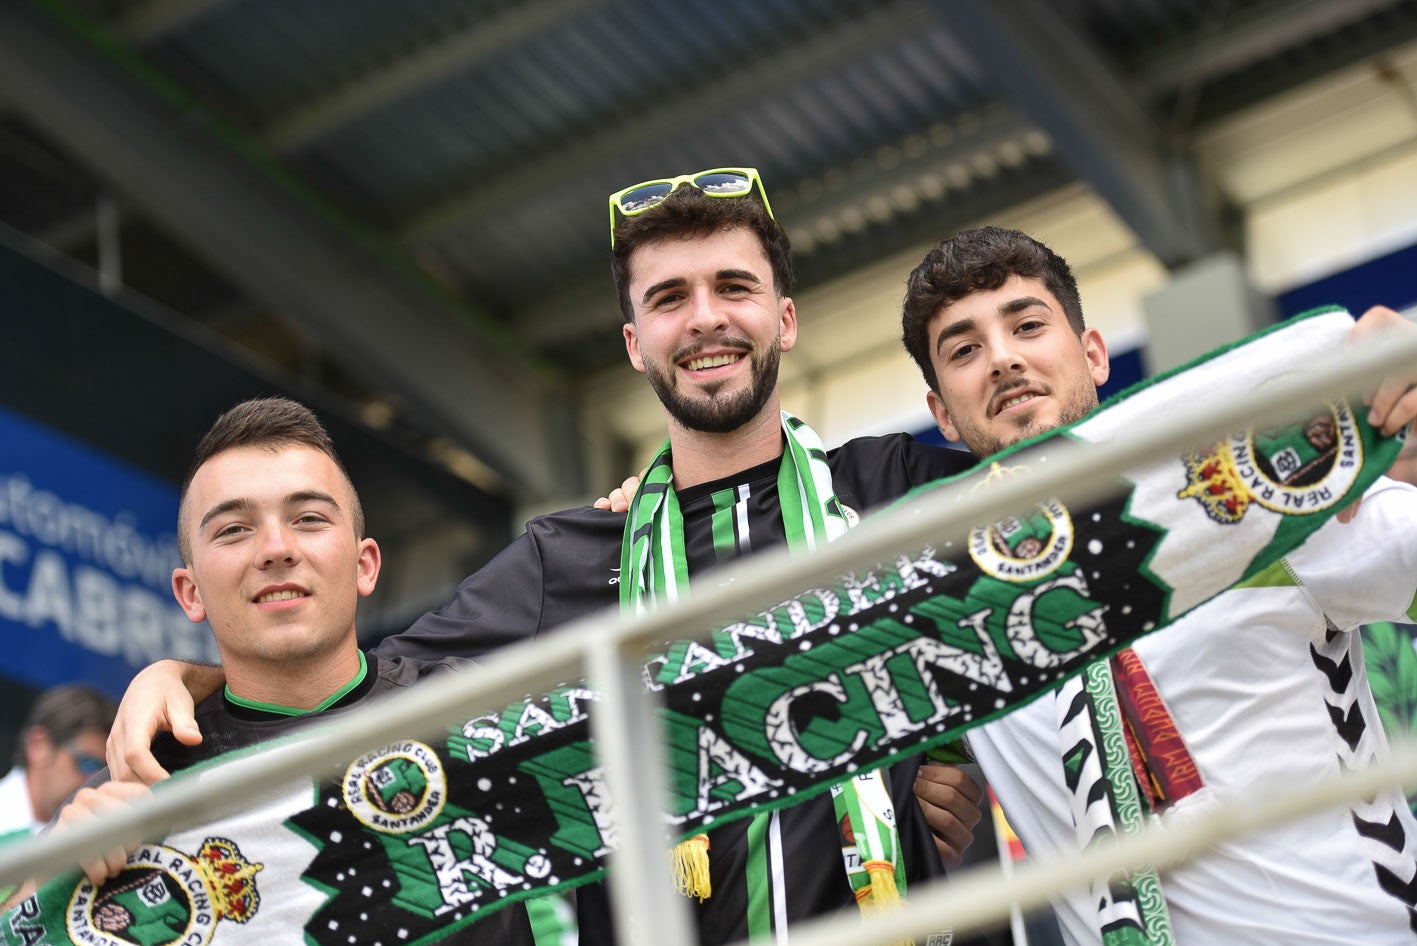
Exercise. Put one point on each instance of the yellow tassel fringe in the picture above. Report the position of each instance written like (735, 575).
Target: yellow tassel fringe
(882, 893)
(691, 867)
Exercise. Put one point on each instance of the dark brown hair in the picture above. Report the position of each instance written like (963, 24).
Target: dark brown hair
(688, 213)
(66, 713)
(973, 261)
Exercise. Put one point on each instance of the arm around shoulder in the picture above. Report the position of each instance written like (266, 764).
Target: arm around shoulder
(498, 604)
(162, 697)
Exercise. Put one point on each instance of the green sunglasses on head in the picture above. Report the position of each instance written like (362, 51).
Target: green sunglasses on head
(719, 182)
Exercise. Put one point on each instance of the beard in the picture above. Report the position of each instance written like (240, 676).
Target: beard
(985, 442)
(718, 413)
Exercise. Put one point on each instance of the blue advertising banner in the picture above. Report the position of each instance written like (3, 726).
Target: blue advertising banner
(87, 548)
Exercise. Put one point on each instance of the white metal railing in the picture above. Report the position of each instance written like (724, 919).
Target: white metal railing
(609, 648)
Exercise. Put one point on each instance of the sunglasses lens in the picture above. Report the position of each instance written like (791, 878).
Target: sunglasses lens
(724, 183)
(86, 764)
(644, 197)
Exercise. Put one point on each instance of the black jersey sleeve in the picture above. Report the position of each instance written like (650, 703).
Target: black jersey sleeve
(869, 472)
(498, 604)
(563, 566)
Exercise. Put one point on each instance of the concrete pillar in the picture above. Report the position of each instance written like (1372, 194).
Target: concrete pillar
(1208, 303)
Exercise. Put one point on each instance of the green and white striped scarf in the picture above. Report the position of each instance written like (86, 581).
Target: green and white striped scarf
(1131, 906)
(654, 571)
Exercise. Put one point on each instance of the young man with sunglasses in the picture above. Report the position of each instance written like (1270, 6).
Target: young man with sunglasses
(703, 274)
(1263, 686)
(60, 746)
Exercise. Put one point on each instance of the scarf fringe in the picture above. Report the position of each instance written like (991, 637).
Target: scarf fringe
(691, 867)
(881, 893)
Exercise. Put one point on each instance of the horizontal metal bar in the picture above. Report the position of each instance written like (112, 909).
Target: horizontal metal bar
(1076, 474)
(977, 899)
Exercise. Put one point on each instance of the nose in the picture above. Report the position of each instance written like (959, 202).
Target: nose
(277, 547)
(1005, 357)
(705, 316)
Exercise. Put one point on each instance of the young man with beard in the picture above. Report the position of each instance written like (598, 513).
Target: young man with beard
(1265, 684)
(271, 534)
(704, 277)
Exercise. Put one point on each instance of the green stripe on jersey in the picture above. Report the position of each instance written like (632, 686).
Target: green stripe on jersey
(759, 878)
(725, 534)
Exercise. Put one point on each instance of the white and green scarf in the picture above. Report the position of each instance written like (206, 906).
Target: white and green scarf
(654, 571)
(415, 839)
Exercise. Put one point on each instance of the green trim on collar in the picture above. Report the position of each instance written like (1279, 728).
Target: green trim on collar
(1412, 608)
(324, 704)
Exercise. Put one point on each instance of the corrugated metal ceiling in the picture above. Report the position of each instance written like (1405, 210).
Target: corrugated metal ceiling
(474, 142)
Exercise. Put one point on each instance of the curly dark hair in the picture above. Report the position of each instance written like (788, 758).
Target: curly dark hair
(979, 260)
(688, 213)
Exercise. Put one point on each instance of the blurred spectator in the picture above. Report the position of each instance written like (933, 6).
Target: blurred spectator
(61, 744)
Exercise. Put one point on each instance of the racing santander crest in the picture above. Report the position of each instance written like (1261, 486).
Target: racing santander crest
(163, 897)
(1024, 548)
(1294, 471)
(396, 789)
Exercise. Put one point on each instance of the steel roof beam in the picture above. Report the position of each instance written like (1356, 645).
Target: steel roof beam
(666, 117)
(585, 306)
(449, 55)
(1053, 73)
(150, 21)
(410, 343)
(1251, 35)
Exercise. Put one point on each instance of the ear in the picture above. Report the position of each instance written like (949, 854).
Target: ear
(368, 567)
(189, 597)
(1095, 350)
(38, 747)
(941, 415)
(632, 346)
(787, 323)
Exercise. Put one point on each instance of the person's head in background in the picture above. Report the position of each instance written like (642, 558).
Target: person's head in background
(993, 320)
(61, 744)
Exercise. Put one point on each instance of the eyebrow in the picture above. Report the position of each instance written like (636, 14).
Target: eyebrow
(958, 327)
(1022, 302)
(245, 505)
(742, 275)
(723, 275)
(1012, 307)
(660, 287)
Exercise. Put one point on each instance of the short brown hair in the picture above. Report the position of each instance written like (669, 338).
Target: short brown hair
(979, 260)
(689, 213)
(66, 713)
(272, 423)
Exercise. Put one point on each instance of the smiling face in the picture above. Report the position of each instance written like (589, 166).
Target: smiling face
(709, 328)
(275, 563)
(1010, 367)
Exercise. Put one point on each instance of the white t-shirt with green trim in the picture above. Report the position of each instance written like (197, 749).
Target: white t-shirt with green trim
(1267, 686)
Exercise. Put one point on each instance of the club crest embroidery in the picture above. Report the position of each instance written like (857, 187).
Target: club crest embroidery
(1296, 471)
(396, 789)
(1024, 548)
(163, 896)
